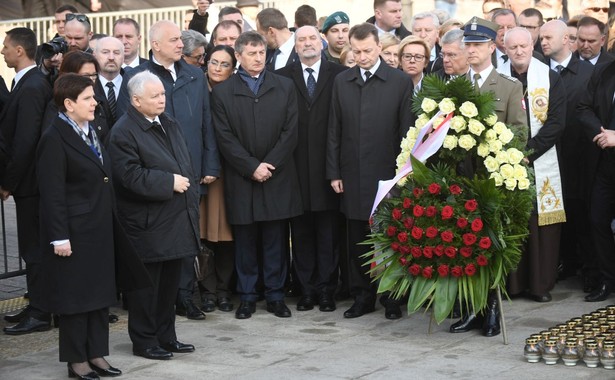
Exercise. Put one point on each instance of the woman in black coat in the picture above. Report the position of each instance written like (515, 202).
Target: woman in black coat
(77, 227)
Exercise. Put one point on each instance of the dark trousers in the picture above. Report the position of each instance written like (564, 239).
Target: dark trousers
(220, 270)
(576, 245)
(273, 236)
(360, 282)
(187, 278)
(28, 225)
(151, 311)
(84, 336)
(315, 254)
(602, 212)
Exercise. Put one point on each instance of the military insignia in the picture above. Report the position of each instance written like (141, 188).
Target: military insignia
(474, 25)
(540, 104)
(338, 19)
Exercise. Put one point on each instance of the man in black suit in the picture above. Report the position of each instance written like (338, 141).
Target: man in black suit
(271, 24)
(315, 232)
(109, 53)
(370, 113)
(128, 31)
(387, 18)
(426, 25)
(20, 130)
(576, 247)
(591, 34)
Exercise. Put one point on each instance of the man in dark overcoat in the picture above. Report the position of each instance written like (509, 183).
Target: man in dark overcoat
(370, 113)
(158, 205)
(255, 117)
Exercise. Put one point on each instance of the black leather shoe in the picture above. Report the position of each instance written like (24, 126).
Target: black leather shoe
(245, 310)
(306, 303)
(599, 294)
(225, 304)
(326, 303)
(467, 323)
(154, 353)
(178, 347)
(88, 376)
(279, 309)
(358, 309)
(106, 372)
(209, 305)
(391, 308)
(28, 325)
(17, 317)
(190, 311)
(491, 324)
(540, 298)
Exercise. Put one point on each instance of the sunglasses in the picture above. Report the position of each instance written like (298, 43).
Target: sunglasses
(598, 9)
(78, 17)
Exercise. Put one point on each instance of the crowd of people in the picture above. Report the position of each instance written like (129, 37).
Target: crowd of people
(256, 154)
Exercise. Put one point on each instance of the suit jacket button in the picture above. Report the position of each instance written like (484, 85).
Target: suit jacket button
(256, 100)
(106, 179)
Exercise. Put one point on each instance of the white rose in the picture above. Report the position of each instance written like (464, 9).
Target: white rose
(437, 121)
(507, 171)
(467, 142)
(499, 127)
(412, 133)
(491, 135)
(510, 183)
(482, 150)
(407, 144)
(497, 177)
(402, 158)
(495, 146)
(506, 136)
(421, 121)
(450, 142)
(468, 109)
(446, 106)
(402, 181)
(501, 157)
(475, 127)
(428, 105)
(491, 164)
(458, 124)
(514, 156)
(519, 172)
(491, 119)
(523, 184)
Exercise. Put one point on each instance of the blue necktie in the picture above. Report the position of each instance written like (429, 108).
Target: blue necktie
(311, 82)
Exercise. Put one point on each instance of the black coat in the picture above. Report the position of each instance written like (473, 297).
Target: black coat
(605, 56)
(160, 223)
(310, 154)
(20, 130)
(252, 129)
(366, 124)
(77, 204)
(400, 32)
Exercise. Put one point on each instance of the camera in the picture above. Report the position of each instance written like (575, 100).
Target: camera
(53, 47)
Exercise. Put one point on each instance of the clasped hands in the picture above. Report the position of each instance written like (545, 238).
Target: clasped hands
(605, 139)
(263, 172)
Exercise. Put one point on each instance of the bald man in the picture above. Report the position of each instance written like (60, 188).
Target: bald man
(109, 52)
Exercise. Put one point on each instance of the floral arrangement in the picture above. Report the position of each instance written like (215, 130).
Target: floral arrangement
(440, 235)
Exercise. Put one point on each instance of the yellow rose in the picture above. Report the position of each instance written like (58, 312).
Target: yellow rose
(482, 150)
(491, 119)
(506, 136)
(497, 177)
(499, 127)
(446, 106)
(491, 135)
(428, 105)
(502, 157)
(412, 133)
(495, 145)
(475, 127)
(458, 124)
(467, 142)
(450, 142)
(491, 164)
(523, 184)
(507, 171)
(437, 121)
(402, 158)
(468, 109)
(402, 181)
(510, 184)
(519, 172)
(407, 144)
(514, 156)
(421, 121)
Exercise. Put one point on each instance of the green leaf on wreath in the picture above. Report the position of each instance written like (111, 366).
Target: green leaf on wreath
(422, 288)
(444, 297)
(391, 276)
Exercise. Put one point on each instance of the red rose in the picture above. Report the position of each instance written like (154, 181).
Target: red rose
(404, 249)
(428, 252)
(407, 202)
(371, 221)
(403, 261)
(414, 269)
(469, 239)
(447, 236)
(462, 222)
(402, 237)
(477, 224)
(409, 222)
(465, 251)
(470, 269)
(443, 270)
(450, 252)
(457, 271)
(455, 189)
(418, 211)
(431, 232)
(391, 231)
(447, 212)
(416, 252)
(434, 188)
(471, 205)
(395, 246)
(396, 214)
(417, 232)
(427, 272)
(439, 251)
(417, 191)
(484, 243)
(481, 260)
(430, 211)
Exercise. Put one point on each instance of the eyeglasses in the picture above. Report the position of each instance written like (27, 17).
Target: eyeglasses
(78, 17)
(448, 55)
(198, 58)
(416, 57)
(598, 9)
(91, 76)
(224, 65)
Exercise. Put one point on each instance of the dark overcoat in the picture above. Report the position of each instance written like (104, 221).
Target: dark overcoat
(366, 124)
(161, 224)
(311, 152)
(77, 204)
(252, 129)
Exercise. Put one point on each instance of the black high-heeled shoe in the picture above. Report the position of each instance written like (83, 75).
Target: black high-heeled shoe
(89, 376)
(106, 372)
